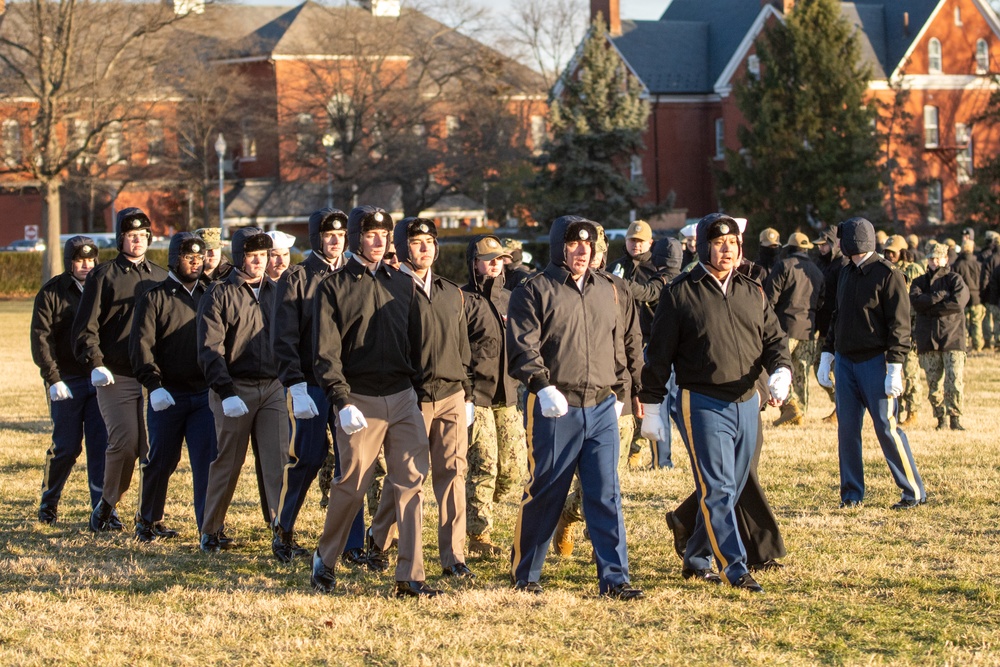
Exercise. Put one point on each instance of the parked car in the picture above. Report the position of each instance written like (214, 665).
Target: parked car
(24, 245)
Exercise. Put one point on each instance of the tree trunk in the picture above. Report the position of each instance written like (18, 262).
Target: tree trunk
(52, 262)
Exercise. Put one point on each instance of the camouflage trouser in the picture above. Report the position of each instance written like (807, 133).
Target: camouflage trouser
(817, 354)
(991, 325)
(910, 398)
(573, 507)
(949, 367)
(974, 316)
(325, 478)
(497, 463)
(803, 352)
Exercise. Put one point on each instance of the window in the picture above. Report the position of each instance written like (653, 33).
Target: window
(538, 134)
(982, 56)
(934, 56)
(305, 133)
(720, 138)
(451, 125)
(636, 167)
(934, 204)
(248, 142)
(958, 16)
(12, 152)
(753, 66)
(931, 137)
(154, 135)
(963, 158)
(113, 143)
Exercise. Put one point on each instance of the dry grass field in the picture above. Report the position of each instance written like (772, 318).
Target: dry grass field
(862, 586)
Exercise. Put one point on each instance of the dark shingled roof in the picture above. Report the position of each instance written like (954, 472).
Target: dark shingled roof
(668, 56)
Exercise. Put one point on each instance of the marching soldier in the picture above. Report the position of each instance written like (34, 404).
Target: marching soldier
(217, 267)
(279, 257)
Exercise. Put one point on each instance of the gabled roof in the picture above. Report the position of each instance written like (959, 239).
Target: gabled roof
(668, 57)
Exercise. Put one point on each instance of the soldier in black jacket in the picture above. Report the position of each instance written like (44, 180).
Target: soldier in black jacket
(163, 347)
(295, 354)
(445, 393)
(366, 328)
(234, 351)
(830, 261)
(989, 290)
(100, 334)
(496, 440)
(72, 399)
(217, 267)
(870, 333)
(565, 346)
(968, 267)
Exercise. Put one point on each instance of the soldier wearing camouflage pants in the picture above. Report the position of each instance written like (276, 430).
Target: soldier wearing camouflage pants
(897, 252)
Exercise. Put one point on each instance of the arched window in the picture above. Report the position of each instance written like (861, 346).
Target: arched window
(982, 56)
(934, 56)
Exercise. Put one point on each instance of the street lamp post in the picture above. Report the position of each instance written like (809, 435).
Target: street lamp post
(220, 150)
(329, 139)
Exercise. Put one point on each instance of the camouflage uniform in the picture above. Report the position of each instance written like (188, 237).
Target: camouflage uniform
(497, 463)
(974, 316)
(573, 507)
(991, 326)
(803, 353)
(948, 366)
(910, 398)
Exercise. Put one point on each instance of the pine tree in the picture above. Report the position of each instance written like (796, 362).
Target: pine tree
(808, 146)
(597, 125)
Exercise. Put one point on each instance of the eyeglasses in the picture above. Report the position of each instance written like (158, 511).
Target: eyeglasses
(193, 259)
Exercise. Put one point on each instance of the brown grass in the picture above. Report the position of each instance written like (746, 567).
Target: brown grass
(866, 586)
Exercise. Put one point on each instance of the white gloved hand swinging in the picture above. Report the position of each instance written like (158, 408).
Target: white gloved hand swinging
(779, 384)
(893, 380)
(303, 407)
(470, 414)
(351, 420)
(552, 401)
(101, 377)
(234, 407)
(824, 374)
(59, 392)
(652, 426)
(160, 399)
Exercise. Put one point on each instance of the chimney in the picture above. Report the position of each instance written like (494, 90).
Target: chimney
(609, 9)
(906, 23)
(788, 5)
(382, 7)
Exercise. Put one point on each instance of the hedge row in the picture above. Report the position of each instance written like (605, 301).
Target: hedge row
(21, 272)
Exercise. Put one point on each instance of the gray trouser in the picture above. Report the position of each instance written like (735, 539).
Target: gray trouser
(122, 406)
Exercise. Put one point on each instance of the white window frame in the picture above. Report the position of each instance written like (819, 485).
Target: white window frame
(935, 202)
(13, 151)
(154, 141)
(753, 65)
(982, 56)
(539, 133)
(720, 139)
(248, 142)
(964, 156)
(958, 16)
(935, 63)
(635, 167)
(113, 143)
(451, 125)
(932, 134)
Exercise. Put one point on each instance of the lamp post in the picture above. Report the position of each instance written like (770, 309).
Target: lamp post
(220, 150)
(329, 139)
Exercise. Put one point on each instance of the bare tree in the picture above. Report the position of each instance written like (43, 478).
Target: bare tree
(546, 34)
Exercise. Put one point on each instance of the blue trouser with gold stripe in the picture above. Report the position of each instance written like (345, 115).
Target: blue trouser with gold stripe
(73, 420)
(720, 437)
(861, 387)
(584, 439)
(306, 454)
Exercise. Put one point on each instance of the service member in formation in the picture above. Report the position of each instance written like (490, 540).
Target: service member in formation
(217, 267)
(72, 399)
(163, 347)
(100, 333)
(279, 257)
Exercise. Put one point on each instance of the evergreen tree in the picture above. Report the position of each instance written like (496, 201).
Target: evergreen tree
(808, 146)
(597, 125)
(979, 202)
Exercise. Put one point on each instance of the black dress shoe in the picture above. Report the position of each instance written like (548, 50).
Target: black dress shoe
(321, 578)
(163, 532)
(377, 559)
(769, 564)
(115, 522)
(532, 587)
(624, 591)
(144, 531)
(701, 575)
(100, 517)
(355, 556)
(849, 504)
(210, 543)
(907, 504)
(415, 589)
(224, 540)
(747, 583)
(681, 535)
(460, 570)
(47, 514)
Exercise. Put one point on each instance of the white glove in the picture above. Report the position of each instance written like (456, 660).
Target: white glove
(351, 420)
(553, 402)
(59, 392)
(470, 414)
(652, 427)
(303, 407)
(234, 407)
(101, 377)
(824, 374)
(160, 399)
(779, 384)
(619, 406)
(893, 380)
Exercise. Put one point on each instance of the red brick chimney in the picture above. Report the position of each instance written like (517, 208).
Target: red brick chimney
(783, 6)
(612, 15)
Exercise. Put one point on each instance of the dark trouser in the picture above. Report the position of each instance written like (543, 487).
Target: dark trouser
(305, 459)
(720, 437)
(861, 387)
(190, 419)
(584, 440)
(756, 522)
(74, 420)
(122, 406)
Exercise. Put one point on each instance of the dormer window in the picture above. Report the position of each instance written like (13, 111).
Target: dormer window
(934, 56)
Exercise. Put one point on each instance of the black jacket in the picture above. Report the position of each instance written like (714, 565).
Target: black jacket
(367, 333)
(795, 289)
(234, 339)
(486, 303)
(444, 351)
(971, 271)
(292, 330)
(628, 326)
(163, 344)
(831, 265)
(104, 321)
(645, 282)
(51, 330)
(939, 300)
(872, 313)
(220, 273)
(718, 344)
